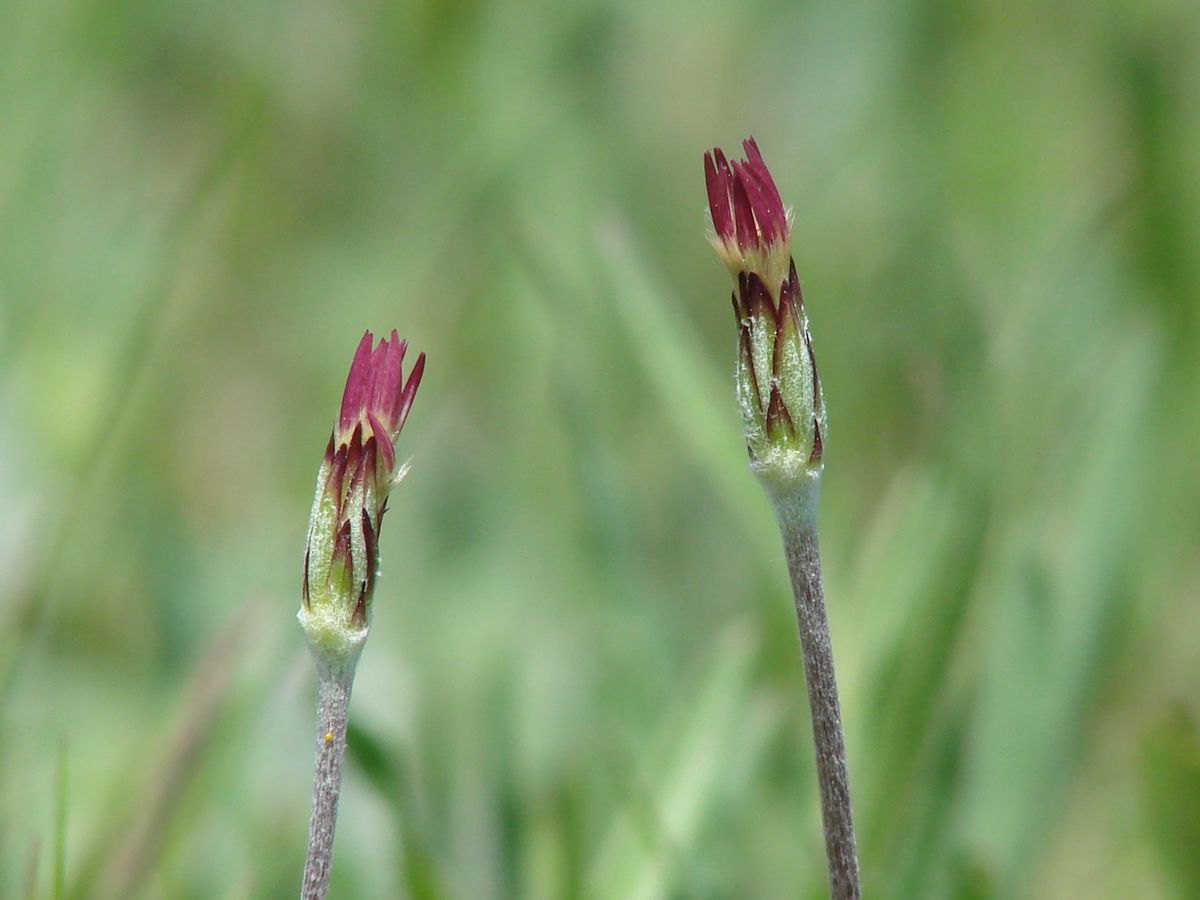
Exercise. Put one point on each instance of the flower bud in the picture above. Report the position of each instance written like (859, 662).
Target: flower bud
(778, 389)
(341, 560)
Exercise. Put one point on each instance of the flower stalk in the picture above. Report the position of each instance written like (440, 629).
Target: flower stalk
(784, 422)
(341, 564)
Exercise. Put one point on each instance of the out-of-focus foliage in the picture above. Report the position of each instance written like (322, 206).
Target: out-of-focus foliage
(583, 678)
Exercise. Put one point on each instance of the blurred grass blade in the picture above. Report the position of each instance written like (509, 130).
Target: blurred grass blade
(61, 794)
(1051, 609)
(125, 855)
(1170, 775)
(30, 880)
(383, 769)
(698, 402)
(646, 851)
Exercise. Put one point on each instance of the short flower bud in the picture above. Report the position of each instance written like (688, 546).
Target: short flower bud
(341, 560)
(778, 389)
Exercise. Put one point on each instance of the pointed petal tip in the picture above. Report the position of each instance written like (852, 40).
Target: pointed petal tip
(716, 182)
(409, 393)
(357, 382)
(744, 201)
(750, 145)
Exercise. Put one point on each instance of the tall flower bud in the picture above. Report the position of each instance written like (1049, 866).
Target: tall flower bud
(341, 560)
(777, 384)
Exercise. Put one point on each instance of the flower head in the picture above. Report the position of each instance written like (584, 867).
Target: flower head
(341, 560)
(779, 391)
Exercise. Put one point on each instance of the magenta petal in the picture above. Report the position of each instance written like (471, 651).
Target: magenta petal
(767, 214)
(393, 380)
(380, 396)
(743, 211)
(753, 156)
(743, 198)
(716, 179)
(357, 383)
(409, 393)
(377, 387)
(377, 397)
(722, 167)
(762, 172)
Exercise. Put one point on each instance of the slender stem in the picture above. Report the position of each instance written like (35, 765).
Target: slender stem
(333, 704)
(797, 511)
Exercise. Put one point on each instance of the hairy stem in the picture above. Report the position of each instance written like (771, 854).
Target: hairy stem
(333, 704)
(797, 511)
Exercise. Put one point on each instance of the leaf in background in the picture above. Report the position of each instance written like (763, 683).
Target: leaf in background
(384, 771)
(1170, 776)
(653, 838)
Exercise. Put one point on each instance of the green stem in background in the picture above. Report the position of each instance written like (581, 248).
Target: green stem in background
(797, 512)
(60, 822)
(30, 889)
(333, 706)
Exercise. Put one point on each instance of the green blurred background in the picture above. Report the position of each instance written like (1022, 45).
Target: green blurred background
(583, 679)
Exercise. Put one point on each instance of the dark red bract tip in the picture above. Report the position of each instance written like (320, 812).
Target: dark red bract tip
(743, 200)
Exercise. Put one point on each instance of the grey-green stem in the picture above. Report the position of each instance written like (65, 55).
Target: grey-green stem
(796, 508)
(333, 705)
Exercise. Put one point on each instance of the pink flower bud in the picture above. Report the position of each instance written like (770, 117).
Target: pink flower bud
(341, 560)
